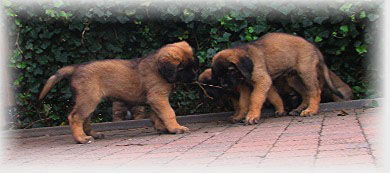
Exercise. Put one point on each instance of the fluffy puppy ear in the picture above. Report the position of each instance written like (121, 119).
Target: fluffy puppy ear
(167, 65)
(245, 66)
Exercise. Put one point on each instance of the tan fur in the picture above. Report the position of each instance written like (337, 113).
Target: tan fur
(132, 81)
(273, 55)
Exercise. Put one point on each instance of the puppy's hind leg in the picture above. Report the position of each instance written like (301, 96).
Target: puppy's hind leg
(275, 99)
(308, 75)
(90, 132)
(78, 120)
(295, 83)
(158, 124)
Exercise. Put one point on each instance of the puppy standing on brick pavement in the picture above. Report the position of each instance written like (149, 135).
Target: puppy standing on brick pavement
(239, 96)
(148, 80)
(286, 86)
(259, 62)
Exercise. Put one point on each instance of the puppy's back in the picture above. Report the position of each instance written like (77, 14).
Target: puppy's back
(110, 77)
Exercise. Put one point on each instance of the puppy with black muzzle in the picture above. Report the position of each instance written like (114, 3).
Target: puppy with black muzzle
(239, 96)
(144, 81)
(259, 62)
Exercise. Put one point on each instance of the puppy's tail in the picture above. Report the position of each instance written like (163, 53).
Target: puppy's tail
(60, 74)
(326, 75)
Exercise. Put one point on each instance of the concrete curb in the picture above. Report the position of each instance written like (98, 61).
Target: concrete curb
(107, 126)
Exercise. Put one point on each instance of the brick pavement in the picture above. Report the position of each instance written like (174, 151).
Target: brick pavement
(326, 140)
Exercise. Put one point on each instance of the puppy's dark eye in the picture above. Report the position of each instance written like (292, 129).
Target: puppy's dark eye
(232, 69)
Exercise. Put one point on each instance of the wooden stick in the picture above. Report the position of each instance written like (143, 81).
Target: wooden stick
(209, 85)
(204, 91)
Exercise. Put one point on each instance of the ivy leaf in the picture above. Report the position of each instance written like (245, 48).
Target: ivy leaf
(10, 12)
(21, 65)
(173, 10)
(99, 12)
(38, 51)
(344, 29)
(346, 7)
(17, 22)
(146, 3)
(259, 28)
(130, 12)
(320, 19)
(76, 25)
(29, 46)
(361, 49)
(306, 22)
(51, 13)
(250, 29)
(213, 30)
(6, 3)
(122, 19)
(95, 46)
(188, 15)
(38, 71)
(63, 57)
(45, 44)
(225, 37)
(336, 19)
(362, 14)
(58, 3)
(200, 59)
(324, 34)
(318, 39)
(211, 52)
(43, 60)
(286, 9)
(372, 17)
(64, 14)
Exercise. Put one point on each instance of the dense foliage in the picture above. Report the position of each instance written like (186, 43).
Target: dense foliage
(47, 35)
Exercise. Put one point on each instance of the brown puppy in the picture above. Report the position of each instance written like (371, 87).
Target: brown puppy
(239, 96)
(259, 62)
(140, 81)
(327, 94)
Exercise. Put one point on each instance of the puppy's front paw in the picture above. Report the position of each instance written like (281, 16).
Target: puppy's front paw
(86, 140)
(98, 135)
(307, 112)
(236, 119)
(294, 112)
(160, 128)
(251, 119)
(179, 130)
(279, 114)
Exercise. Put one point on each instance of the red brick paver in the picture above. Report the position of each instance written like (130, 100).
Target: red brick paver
(325, 140)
